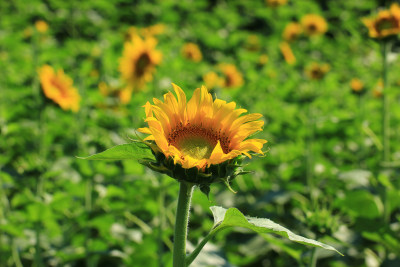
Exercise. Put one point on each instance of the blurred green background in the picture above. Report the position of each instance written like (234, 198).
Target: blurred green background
(57, 210)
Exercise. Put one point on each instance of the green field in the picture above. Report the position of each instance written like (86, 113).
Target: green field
(329, 96)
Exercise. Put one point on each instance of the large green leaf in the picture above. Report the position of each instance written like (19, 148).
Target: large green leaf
(136, 150)
(232, 217)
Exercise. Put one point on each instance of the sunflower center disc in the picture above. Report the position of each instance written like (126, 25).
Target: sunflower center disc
(196, 147)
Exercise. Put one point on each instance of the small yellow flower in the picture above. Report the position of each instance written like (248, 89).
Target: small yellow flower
(317, 71)
(104, 89)
(59, 88)
(386, 23)
(232, 77)
(292, 31)
(314, 24)
(212, 80)
(287, 53)
(276, 3)
(202, 131)
(41, 26)
(253, 43)
(357, 86)
(139, 60)
(192, 52)
(125, 95)
(263, 59)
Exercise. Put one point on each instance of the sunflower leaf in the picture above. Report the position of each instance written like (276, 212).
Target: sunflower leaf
(136, 150)
(232, 217)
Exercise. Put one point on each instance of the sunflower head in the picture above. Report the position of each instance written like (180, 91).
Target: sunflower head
(232, 77)
(212, 80)
(314, 24)
(202, 140)
(357, 86)
(377, 92)
(385, 24)
(41, 26)
(317, 71)
(287, 53)
(292, 31)
(59, 88)
(139, 60)
(192, 52)
(275, 3)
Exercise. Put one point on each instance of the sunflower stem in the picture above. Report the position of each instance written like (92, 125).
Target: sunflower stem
(385, 106)
(181, 224)
(314, 257)
(361, 132)
(309, 151)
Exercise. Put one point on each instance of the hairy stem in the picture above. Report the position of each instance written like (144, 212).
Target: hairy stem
(385, 106)
(181, 224)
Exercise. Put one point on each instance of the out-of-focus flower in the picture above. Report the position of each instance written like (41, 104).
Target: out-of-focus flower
(59, 88)
(150, 31)
(276, 3)
(314, 24)
(41, 26)
(357, 86)
(232, 77)
(377, 92)
(125, 95)
(292, 31)
(192, 52)
(263, 59)
(104, 89)
(317, 71)
(252, 43)
(212, 80)
(200, 132)
(386, 23)
(138, 61)
(287, 53)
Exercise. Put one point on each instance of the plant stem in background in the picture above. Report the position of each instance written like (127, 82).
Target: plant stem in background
(181, 224)
(309, 152)
(385, 106)
(314, 257)
(361, 131)
(161, 216)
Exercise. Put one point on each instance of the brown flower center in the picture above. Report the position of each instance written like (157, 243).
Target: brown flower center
(197, 141)
(386, 24)
(141, 64)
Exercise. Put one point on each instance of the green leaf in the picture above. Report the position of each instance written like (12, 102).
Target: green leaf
(136, 150)
(232, 217)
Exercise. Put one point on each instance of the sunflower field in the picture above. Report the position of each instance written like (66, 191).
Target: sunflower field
(119, 119)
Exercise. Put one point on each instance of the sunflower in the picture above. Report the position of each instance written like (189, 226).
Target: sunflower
(212, 80)
(232, 77)
(386, 23)
(287, 53)
(292, 31)
(263, 59)
(314, 24)
(202, 131)
(357, 86)
(317, 71)
(192, 52)
(58, 87)
(41, 26)
(276, 3)
(139, 60)
(377, 92)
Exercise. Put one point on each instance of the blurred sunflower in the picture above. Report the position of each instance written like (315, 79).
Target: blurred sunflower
(232, 77)
(139, 60)
(263, 59)
(41, 26)
(317, 71)
(58, 87)
(287, 53)
(357, 86)
(292, 31)
(314, 24)
(212, 80)
(150, 31)
(275, 3)
(125, 95)
(386, 23)
(201, 132)
(252, 43)
(192, 52)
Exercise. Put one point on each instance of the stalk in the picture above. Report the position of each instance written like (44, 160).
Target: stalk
(309, 151)
(385, 124)
(161, 216)
(313, 261)
(181, 224)
(361, 132)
